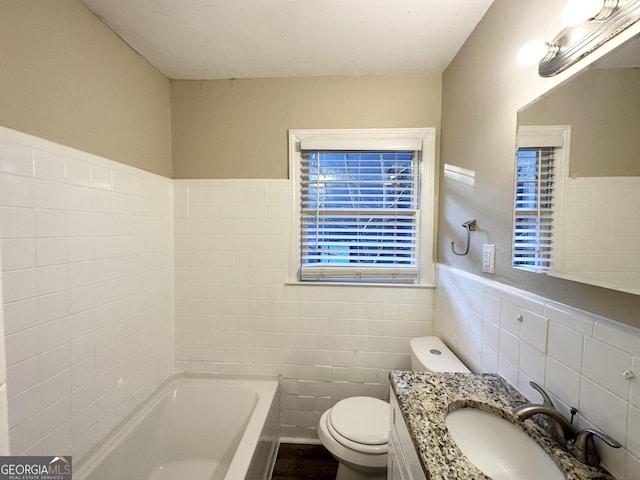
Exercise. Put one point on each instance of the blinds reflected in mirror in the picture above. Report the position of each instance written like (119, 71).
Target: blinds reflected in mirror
(533, 212)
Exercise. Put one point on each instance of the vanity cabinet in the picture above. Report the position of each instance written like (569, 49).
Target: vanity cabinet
(403, 463)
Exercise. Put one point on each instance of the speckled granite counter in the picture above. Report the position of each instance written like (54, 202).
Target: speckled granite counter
(426, 398)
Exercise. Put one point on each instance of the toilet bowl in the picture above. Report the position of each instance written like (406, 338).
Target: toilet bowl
(355, 430)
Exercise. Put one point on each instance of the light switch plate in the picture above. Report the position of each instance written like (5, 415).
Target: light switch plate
(489, 258)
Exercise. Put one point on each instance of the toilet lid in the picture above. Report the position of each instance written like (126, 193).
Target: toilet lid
(363, 420)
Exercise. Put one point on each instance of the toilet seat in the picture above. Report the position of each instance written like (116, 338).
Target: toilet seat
(361, 424)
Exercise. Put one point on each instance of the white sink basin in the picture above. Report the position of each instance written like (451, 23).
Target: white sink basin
(500, 449)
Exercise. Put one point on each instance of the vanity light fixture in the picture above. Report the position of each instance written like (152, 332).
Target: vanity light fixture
(590, 24)
(576, 12)
(536, 51)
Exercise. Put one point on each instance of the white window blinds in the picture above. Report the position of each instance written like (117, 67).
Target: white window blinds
(359, 214)
(534, 201)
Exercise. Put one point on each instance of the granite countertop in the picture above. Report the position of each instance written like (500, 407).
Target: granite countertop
(426, 398)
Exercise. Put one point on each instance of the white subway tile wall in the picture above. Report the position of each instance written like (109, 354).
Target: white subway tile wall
(579, 358)
(236, 313)
(602, 230)
(87, 275)
(94, 255)
(4, 407)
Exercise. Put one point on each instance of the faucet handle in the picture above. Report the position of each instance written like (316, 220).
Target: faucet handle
(546, 400)
(584, 448)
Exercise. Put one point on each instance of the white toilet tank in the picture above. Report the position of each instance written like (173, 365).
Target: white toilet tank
(432, 355)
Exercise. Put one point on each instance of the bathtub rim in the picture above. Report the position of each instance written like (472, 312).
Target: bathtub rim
(266, 386)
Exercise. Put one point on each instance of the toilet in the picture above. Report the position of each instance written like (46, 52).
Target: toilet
(355, 430)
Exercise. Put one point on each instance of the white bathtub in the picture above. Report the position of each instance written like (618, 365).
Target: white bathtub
(195, 427)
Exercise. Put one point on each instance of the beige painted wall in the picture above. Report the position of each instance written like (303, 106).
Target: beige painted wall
(66, 77)
(603, 108)
(483, 88)
(238, 128)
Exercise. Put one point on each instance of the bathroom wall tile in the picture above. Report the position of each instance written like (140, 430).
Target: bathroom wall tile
(16, 191)
(605, 410)
(509, 347)
(532, 362)
(20, 315)
(18, 253)
(52, 195)
(510, 316)
(258, 325)
(16, 159)
(565, 345)
(527, 301)
(51, 307)
(508, 370)
(635, 383)
(604, 365)
(581, 368)
(562, 382)
(25, 435)
(53, 362)
(17, 222)
(534, 330)
(491, 308)
(53, 334)
(79, 211)
(101, 177)
(79, 198)
(52, 279)
(59, 439)
(633, 431)
(24, 405)
(49, 166)
(19, 285)
(613, 459)
(570, 318)
(622, 336)
(489, 360)
(51, 251)
(78, 172)
(53, 223)
(21, 345)
(632, 468)
(54, 388)
(23, 375)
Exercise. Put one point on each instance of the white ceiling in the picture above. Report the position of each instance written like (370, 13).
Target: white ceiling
(217, 39)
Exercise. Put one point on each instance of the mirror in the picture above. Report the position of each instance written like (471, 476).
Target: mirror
(590, 126)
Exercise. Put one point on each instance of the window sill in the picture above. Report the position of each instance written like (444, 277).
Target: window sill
(356, 284)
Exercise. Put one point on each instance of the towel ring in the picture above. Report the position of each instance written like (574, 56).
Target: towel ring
(469, 226)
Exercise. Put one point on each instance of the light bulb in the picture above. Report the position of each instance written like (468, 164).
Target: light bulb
(534, 52)
(576, 12)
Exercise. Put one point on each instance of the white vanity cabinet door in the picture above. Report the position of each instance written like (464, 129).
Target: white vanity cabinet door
(404, 463)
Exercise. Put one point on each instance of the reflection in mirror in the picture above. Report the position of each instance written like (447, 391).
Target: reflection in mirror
(577, 205)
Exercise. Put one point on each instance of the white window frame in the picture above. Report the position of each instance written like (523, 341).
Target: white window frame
(558, 137)
(370, 139)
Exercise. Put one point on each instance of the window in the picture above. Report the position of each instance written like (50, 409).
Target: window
(540, 160)
(364, 205)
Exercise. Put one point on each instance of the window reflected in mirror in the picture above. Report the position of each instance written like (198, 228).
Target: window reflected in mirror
(581, 215)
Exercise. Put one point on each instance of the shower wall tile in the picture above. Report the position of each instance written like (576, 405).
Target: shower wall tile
(86, 249)
(236, 312)
(579, 358)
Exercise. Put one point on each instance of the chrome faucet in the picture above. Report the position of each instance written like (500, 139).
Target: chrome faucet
(581, 444)
(559, 427)
(584, 448)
